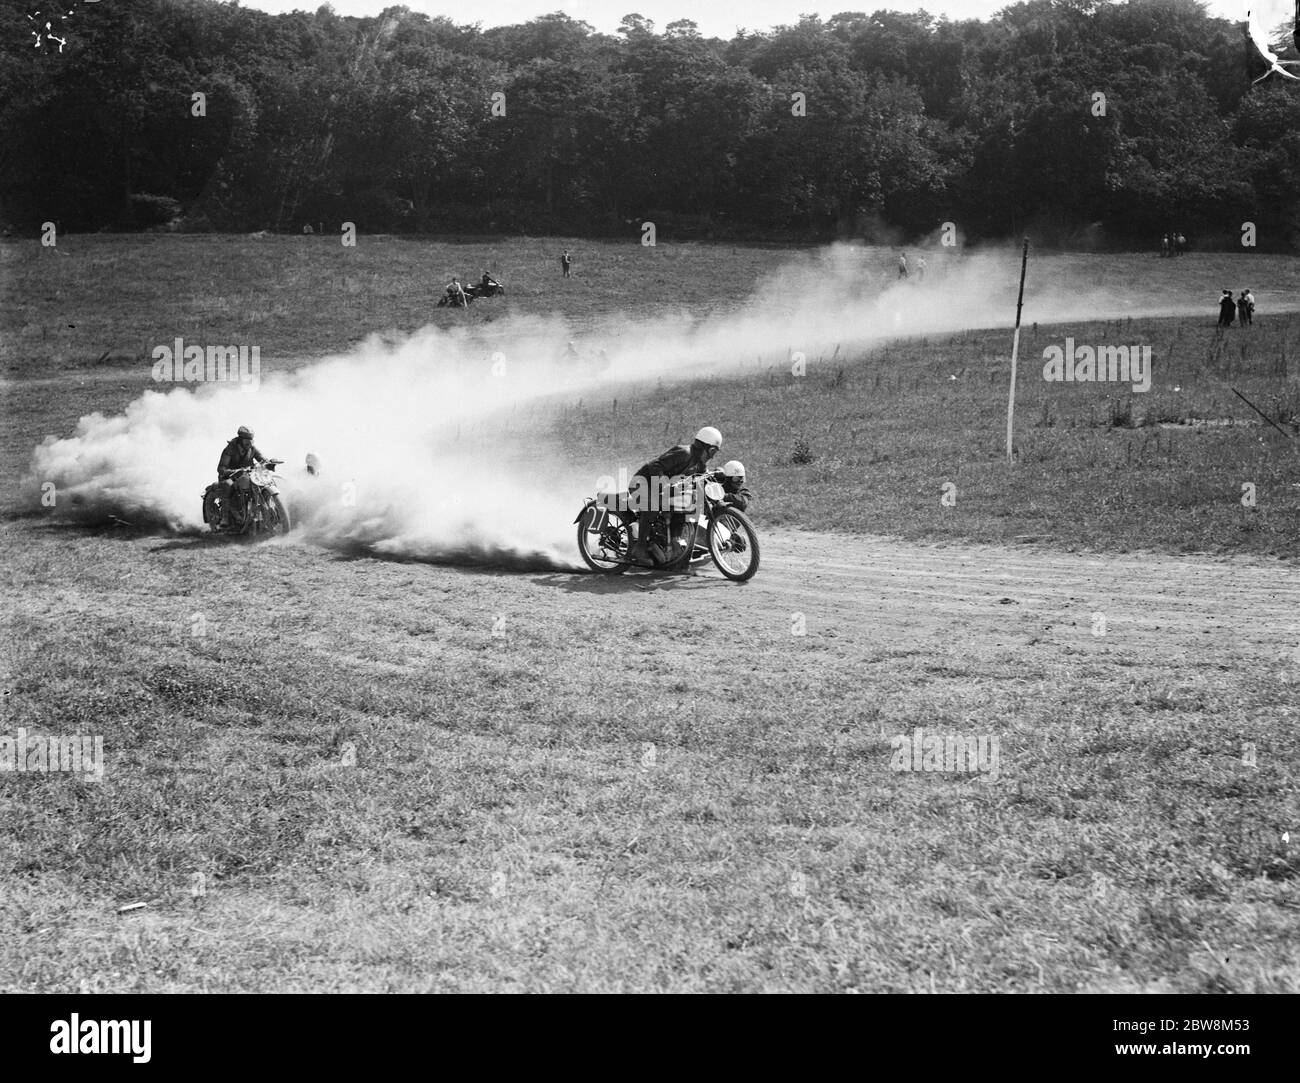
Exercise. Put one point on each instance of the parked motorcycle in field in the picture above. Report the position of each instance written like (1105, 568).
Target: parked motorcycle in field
(491, 288)
(256, 509)
(606, 526)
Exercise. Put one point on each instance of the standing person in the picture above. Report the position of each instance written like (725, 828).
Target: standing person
(1164, 245)
(902, 264)
(1246, 308)
(456, 294)
(1182, 244)
(566, 264)
(920, 268)
(1227, 309)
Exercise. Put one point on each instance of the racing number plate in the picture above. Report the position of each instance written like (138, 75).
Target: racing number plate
(596, 521)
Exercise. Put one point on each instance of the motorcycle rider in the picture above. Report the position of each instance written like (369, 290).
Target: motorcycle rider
(677, 461)
(237, 455)
(732, 479)
(487, 283)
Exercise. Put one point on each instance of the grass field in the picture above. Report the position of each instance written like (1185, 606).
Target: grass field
(332, 772)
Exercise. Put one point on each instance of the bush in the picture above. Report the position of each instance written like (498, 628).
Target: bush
(147, 210)
(802, 454)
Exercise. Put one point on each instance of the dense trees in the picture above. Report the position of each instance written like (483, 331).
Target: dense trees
(858, 123)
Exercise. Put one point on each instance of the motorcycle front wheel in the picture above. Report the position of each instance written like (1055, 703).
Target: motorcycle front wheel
(733, 544)
(281, 524)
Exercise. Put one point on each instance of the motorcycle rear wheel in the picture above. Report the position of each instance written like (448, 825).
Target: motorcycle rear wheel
(211, 509)
(614, 538)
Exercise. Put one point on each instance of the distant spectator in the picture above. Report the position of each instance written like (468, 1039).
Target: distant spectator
(1246, 307)
(1180, 246)
(307, 231)
(1227, 309)
(1164, 245)
(920, 268)
(902, 264)
(566, 263)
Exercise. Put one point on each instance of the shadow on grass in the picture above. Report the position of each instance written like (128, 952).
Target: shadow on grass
(193, 542)
(115, 529)
(584, 582)
(468, 558)
(112, 527)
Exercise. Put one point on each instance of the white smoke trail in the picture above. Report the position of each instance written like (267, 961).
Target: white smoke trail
(387, 419)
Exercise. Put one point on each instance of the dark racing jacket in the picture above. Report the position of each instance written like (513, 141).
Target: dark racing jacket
(234, 457)
(737, 495)
(673, 463)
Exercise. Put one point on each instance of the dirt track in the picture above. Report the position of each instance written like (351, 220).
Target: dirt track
(889, 591)
(868, 592)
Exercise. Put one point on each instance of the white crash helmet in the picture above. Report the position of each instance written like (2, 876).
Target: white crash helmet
(734, 469)
(709, 435)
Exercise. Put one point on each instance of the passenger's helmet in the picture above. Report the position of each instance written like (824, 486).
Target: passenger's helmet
(709, 435)
(734, 469)
(244, 431)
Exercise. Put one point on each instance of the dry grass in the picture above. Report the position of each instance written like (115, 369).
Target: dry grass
(502, 827)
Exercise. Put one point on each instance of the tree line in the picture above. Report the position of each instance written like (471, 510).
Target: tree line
(1075, 121)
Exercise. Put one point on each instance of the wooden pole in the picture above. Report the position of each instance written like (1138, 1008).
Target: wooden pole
(1015, 348)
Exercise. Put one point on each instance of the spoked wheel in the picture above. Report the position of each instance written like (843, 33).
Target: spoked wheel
(280, 516)
(733, 544)
(604, 549)
(211, 509)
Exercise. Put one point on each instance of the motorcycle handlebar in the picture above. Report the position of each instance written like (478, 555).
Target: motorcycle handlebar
(270, 464)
